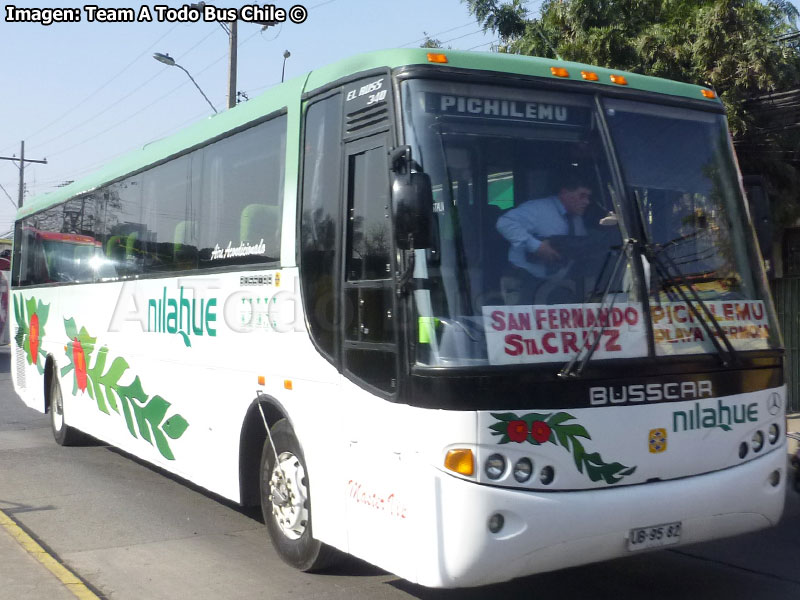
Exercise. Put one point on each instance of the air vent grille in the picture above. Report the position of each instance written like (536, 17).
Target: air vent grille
(367, 118)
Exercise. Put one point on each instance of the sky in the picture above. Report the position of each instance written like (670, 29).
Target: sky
(81, 94)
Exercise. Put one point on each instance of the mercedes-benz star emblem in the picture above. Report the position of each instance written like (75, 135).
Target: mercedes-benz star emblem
(774, 403)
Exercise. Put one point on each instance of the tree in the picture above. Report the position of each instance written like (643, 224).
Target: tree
(431, 42)
(737, 47)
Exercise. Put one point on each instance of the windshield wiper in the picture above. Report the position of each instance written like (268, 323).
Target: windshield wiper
(576, 365)
(679, 284)
(670, 274)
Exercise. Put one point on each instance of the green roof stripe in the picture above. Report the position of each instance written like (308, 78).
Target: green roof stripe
(288, 95)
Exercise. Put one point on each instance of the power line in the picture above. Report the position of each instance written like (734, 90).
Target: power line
(102, 87)
(462, 36)
(433, 35)
(484, 44)
(115, 104)
(59, 152)
(10, 199)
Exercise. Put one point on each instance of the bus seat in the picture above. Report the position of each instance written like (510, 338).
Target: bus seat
(115, 248)
(261, 222)
(184, 233)
(130, 244)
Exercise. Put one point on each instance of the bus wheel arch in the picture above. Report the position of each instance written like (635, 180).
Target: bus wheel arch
(286, 502)
(251, 442)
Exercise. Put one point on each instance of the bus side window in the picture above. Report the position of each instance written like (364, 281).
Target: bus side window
(239, 199)
(123, 226)
(320, 229)
(166, 212)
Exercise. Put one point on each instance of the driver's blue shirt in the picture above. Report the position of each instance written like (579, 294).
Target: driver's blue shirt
(528, 224)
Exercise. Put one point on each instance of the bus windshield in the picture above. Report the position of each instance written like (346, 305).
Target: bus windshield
(680, 173)
(527, 262)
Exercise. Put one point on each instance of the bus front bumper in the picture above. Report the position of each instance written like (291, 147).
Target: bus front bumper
(548, 531)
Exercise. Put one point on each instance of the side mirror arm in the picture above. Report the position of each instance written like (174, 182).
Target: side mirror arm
(400, 161)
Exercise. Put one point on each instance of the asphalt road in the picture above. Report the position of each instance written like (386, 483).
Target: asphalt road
(132, 532)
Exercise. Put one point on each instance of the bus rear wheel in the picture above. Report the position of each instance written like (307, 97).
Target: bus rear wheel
(285, 502)
(62, 433)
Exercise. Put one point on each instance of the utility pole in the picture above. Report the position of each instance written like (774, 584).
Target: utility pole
(231, 28)
(232, 66)
(21, 166)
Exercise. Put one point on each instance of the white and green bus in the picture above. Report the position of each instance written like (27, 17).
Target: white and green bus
(306, 302)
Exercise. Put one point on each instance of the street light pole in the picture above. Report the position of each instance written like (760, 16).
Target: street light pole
(286, 54)
(170, 62)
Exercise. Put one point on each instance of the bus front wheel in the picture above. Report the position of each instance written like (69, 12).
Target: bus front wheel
(285, 502)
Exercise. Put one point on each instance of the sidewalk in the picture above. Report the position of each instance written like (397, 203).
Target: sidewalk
(22, 575)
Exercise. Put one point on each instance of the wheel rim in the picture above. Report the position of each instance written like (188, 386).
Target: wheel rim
(57, 407)
(288, 494)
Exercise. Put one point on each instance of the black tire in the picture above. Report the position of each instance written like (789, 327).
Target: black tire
(62, 433)
(287, 508)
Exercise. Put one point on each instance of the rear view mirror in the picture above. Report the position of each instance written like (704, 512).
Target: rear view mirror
(412, 202)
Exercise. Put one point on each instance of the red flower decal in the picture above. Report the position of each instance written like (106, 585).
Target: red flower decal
(517, 431)
(80, 364)
(34, 337)
(540, 431)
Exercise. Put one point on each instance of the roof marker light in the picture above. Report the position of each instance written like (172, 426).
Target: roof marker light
(619, 80)
(559, 71)
(710, 94)
(589, 76)
(436, 57)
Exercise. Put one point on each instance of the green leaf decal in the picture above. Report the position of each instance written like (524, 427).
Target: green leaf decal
(155, 411)
(558, 418)
(43, 310)
(70, 328)
(163, 445)
(505, 416)
(98, 394)
(175, 426)
(499, 427)
(143, 414)
(555, 429)
(22, 325)
(30, 307)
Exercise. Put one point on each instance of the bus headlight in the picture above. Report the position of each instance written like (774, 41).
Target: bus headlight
(757, 441)
(547, 475)
(774, 433)
(495, 466)
(523, 470)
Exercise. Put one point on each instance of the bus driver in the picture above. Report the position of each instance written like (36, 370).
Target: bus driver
(530, 229)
